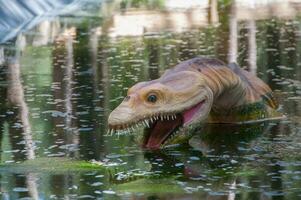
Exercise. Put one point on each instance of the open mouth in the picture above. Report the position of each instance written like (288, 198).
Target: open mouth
(161, 128)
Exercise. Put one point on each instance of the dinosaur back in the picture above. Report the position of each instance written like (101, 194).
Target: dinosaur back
(256, 88)
(260, 102)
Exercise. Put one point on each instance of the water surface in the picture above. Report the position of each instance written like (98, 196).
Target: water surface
(60, 80)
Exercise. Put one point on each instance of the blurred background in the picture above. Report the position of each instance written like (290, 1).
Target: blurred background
(64, 65)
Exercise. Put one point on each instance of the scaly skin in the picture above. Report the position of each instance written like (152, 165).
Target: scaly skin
(193, 92)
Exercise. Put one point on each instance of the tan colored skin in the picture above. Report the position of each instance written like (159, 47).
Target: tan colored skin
(176, 92)
(223, 88)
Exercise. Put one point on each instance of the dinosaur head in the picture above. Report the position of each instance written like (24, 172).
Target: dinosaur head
(165, 107)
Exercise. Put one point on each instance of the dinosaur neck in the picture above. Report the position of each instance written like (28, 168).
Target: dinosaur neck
(228, 89)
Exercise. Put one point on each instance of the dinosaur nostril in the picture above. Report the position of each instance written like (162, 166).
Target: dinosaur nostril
(127, 98)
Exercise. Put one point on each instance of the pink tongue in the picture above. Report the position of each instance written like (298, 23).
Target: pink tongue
(189, 114)
(160, 132)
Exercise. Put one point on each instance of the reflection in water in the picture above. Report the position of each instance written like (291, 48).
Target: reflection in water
(233, 156)
(15, 97)
(31, 182)
(61, 79)
(68, 80)
(16, 100)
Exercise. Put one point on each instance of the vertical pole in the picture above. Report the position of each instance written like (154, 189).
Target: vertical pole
(252, 51)
(232, 54)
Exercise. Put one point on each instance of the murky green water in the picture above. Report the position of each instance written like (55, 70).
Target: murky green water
(61, 79)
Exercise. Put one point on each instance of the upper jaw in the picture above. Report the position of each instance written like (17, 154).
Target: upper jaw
(143, 122)
(125, 121)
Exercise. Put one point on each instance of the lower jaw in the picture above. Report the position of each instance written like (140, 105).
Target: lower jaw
(168, 140)
(186, 118)
(179, 140)
(155, 138)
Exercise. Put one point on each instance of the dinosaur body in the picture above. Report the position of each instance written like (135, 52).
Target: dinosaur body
(199, 90)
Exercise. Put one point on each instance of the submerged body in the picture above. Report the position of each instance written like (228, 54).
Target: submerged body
(199, 90)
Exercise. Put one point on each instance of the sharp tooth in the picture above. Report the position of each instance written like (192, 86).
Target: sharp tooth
(161, 118)
(112, 132)
(151, 119)
(147, 124)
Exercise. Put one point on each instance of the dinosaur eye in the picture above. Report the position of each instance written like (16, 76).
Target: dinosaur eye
(152, 98)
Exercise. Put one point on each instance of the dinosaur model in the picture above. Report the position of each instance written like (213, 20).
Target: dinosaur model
(196, 91)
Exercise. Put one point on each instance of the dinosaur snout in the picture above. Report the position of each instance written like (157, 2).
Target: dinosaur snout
(120, 116)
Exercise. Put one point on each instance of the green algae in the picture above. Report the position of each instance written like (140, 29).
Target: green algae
(55, 165)
(150, 186)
